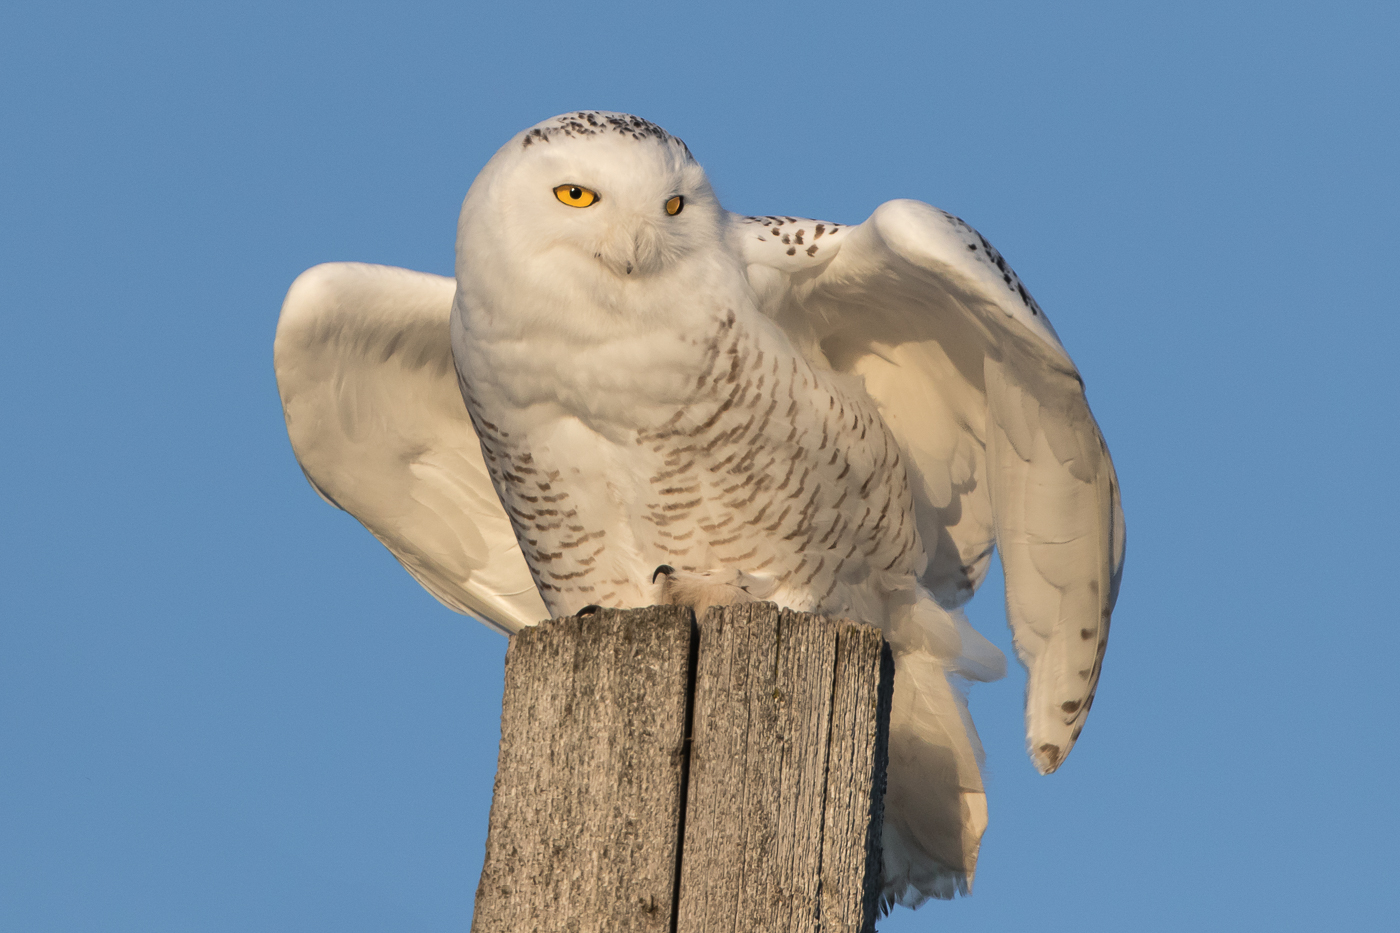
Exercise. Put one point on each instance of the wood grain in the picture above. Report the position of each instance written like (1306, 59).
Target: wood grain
(583, 826)
(770, 782)
(855, 787)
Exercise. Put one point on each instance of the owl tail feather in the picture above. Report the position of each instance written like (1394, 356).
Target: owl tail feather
(935, 808)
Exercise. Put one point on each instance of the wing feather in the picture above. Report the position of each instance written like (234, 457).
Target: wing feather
(991, 412)
(364, 368)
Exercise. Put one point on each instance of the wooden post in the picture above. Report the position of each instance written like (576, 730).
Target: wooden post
(658, 775)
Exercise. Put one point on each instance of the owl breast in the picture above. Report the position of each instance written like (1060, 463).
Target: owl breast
(738, 456)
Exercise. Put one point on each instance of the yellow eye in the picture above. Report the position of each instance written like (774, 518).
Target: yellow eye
(673, 206)
(575, 195)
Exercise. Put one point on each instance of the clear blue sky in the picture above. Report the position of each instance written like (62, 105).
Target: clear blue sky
(224, 707)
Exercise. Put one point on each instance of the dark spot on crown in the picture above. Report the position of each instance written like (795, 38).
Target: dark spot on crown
(594, 123)
(535, 134)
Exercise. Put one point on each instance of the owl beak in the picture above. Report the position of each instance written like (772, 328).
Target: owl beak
(628, 251)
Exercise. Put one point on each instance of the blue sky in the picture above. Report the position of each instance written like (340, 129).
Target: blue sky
(223, 705)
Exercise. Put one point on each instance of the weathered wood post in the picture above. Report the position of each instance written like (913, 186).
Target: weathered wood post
(661, 775)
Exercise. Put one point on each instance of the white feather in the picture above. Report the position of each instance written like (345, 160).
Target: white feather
(364, 368)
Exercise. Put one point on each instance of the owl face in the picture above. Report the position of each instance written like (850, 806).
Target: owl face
(608, 199)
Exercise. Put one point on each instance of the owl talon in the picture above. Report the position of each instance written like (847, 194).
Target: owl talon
(702, 589)
(587, 610)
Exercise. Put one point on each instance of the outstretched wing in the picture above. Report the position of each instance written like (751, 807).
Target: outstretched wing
(364, 368)
(975, 384)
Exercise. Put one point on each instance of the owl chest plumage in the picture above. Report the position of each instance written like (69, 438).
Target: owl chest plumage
(730, 454)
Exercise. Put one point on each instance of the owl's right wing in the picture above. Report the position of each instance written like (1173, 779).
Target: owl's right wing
(369, 391)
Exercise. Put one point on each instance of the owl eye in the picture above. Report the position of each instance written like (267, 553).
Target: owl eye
(575, 195)
(673, 206)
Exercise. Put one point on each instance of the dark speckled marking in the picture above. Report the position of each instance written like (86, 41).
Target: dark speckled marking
(803, 238)
(596, 123)
(1008, 276)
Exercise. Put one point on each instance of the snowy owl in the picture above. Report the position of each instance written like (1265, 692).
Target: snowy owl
(669, 403)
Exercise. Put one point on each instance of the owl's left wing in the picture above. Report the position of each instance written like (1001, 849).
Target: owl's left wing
(369, 390)
(990, 410)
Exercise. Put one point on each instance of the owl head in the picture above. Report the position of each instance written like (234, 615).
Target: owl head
(586, 208)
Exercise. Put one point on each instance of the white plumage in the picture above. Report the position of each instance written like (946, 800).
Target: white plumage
(839, 419)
